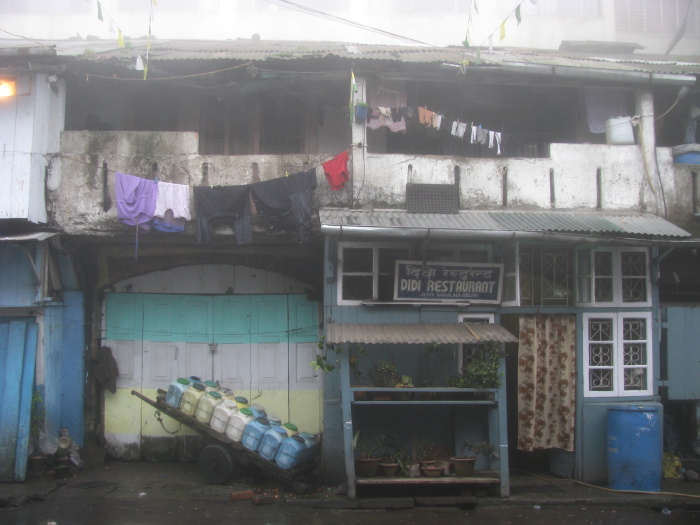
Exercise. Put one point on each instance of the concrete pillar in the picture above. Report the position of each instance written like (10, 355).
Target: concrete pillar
(359, 136)
(644, 108)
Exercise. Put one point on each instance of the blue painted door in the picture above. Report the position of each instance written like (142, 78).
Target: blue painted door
(17, 361)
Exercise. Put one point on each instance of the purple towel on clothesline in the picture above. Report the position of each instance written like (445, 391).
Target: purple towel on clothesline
(136, 199)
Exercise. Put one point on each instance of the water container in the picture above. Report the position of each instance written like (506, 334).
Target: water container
(211, 386)
(291, 429)
(222, 415)
(634, 448)
(191, 397)
(274, 420)
(237, 424)
(206, 406)
(175, 392)
(195, 379)
(258, 411)
(619, 130)
(292, 452)
(254, 432)
(227, 393)
(242, 402)
(311, 444)
(271, 442)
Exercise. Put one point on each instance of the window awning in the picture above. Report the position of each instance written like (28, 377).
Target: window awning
(471, 225)
(417, 333)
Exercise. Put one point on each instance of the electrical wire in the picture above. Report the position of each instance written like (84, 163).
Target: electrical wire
(327, 16)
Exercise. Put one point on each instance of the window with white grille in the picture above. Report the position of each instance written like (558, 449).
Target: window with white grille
(617, 354)
(654, 16)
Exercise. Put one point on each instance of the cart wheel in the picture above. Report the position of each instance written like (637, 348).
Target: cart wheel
(216, 464)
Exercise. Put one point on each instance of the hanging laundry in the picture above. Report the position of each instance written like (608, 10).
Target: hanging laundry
(482, 135)
(475, 135)
(385, 112)
(425, 116)
(223, 202)
(336, 171)
(497, 139)
(172, 207)
(437, 120)
(275, 199)
(136, 200)
(461, 129)
(397, 127)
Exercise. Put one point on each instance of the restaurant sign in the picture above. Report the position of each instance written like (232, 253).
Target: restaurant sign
(448, 282)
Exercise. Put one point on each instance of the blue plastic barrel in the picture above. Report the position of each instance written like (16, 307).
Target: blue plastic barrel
(271, 442)
(634, 448)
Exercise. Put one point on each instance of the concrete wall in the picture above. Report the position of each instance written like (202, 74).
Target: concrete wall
(75, 182)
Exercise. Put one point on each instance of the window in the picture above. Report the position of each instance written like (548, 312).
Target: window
(367, 271)
(617, 357)
(612, 276)
(468, 351)
(654, 16)
(538, 276)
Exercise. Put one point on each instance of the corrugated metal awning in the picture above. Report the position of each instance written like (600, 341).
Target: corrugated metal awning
(483, 223)
(417, 333)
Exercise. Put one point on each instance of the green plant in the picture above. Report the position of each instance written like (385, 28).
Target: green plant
(384, 374)
(420, 450)
(404, 382)
(321, 361)
(368, 446)
(477, 449)
(482, 371)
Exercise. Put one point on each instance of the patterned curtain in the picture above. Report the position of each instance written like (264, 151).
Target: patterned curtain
(546, 382)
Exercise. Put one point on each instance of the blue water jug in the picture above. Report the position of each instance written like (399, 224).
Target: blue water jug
(254, 432)
(292, 452)
(311, 444)
(175, 391)
(258, 411)
(271, 442)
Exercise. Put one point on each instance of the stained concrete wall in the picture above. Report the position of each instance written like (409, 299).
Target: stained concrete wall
(575, 176)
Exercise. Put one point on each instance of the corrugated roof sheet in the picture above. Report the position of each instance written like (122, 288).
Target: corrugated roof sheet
(417, 333)
(267, 50)
(515, 221)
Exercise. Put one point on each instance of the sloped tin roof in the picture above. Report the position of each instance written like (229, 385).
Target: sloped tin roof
(635, 225)
(272, 50)
(417, 333)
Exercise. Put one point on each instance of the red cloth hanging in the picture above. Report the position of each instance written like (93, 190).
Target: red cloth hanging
(336, 171)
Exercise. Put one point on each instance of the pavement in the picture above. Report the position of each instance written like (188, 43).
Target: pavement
(129, 481)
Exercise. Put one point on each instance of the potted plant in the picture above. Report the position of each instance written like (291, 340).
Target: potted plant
(482, 371)
(404, 382)
(384, 374)
(418, 452)
(464, 465)
(368, 454)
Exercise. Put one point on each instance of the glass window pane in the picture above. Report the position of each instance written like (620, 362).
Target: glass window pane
(634, 290)
(635, 379)
(635, 354)
(600, 380)
(600, 355)
(634, 329)
(600, 330)
(357, 287)
(603, 264)
(386, 288)
(603, 289)
(357, 260)
(633, 264)
(584, 262)
(584, 289)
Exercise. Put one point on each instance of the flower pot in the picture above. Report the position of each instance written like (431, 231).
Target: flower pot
(359, 395)
(381, 396)
(413, 471)
(388, 470)
(432, 472)
(366, 468)
(464, 467)
(402, 396)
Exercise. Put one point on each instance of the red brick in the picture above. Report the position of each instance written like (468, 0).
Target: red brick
(244, 494)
